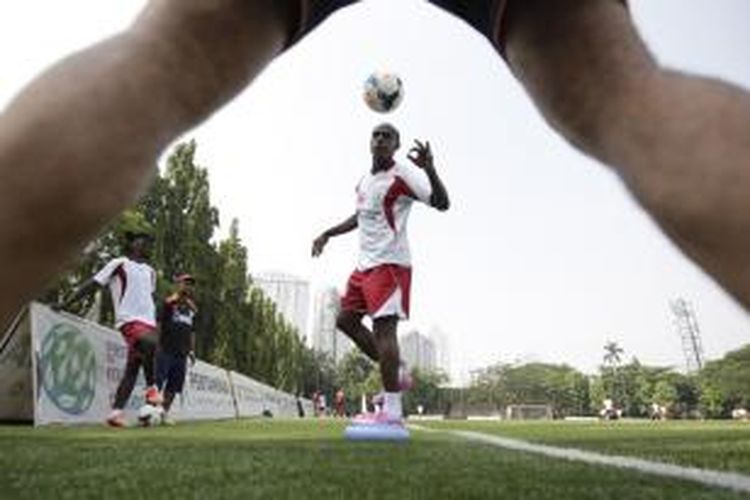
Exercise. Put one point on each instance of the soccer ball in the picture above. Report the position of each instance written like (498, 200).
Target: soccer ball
(149, 415)
(383, 91)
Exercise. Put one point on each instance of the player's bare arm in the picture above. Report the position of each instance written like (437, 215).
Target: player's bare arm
(421, 156)
(350, 224)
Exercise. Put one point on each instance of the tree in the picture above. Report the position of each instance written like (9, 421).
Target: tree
(612, 353)
(725, 383)
(353, 375)
(232, 347)
(179, 206)
(426, 392)
(562, 387)
(610, 372)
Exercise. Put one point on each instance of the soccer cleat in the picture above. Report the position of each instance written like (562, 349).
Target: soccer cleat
(153, 396)
(168, 420)
(117, 419)
(310, 13)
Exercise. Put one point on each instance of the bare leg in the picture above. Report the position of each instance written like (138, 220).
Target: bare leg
(146, 348)
(387, 343)
(350, 322)
(127, 382)
(168, 398)
(81, 141)
(679, 142)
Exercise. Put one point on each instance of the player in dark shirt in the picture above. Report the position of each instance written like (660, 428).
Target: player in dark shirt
(176, 340)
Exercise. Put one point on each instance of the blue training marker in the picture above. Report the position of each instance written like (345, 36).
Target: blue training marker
(376, 432)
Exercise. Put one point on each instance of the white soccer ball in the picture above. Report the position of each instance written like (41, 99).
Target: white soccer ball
(383, 91)
(149, 415)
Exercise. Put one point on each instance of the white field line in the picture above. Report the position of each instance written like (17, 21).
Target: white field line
(731, 480)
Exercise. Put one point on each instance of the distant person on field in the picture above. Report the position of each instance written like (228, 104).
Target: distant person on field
(176, 340)
(316, 403)
(132, 283)
(340, 402)
(322, 408)
(380, 285)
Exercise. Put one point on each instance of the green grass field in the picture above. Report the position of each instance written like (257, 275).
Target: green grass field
(310, 459)
(717, 445)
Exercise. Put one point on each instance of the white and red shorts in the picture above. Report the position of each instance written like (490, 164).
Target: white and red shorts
(380, 291)
(133, 331)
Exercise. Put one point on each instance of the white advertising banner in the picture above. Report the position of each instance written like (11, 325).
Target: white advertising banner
(76, 366)
(207, 394)
(16, 382)
(79, 365)
(248, 394)
(256, 399)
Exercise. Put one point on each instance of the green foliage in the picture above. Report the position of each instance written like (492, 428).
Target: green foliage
(561, 386)
(427, 392)
(354, 377)
(725, 383)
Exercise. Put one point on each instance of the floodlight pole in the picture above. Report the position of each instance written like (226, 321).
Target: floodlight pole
(687, 328)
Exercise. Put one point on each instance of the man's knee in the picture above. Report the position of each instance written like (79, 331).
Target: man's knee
(348, 321)
(385, 325)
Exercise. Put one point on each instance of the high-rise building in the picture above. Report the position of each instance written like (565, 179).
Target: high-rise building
(442, 346)
(290, 294)
(419, 351)
(325, 336)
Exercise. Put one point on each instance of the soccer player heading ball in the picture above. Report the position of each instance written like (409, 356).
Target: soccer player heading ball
(379, 287)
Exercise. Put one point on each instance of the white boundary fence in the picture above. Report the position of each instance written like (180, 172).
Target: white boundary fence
(60, 369)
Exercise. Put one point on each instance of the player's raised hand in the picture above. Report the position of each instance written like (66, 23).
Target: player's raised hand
(421, 155)
(318, 244)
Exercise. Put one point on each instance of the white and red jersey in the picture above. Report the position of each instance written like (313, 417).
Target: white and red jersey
(132, 285)
(384, 200)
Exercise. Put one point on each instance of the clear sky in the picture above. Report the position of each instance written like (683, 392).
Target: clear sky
(543, 255)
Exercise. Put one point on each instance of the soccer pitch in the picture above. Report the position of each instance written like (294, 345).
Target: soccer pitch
(309, 458)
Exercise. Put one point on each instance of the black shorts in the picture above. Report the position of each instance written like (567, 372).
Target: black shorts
(170, 371)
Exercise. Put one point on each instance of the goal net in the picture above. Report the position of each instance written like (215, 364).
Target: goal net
(528, 412)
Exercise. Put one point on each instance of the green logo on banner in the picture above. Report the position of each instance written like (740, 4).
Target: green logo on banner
(68, 369)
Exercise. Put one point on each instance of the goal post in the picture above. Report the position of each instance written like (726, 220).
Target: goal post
(528, 412)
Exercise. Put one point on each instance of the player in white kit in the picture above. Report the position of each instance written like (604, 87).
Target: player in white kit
(379, 287)
(132, 283)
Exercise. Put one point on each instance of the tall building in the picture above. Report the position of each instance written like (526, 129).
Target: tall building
(290, 294)
(325, 336)
(443, 348)
(419, 351)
